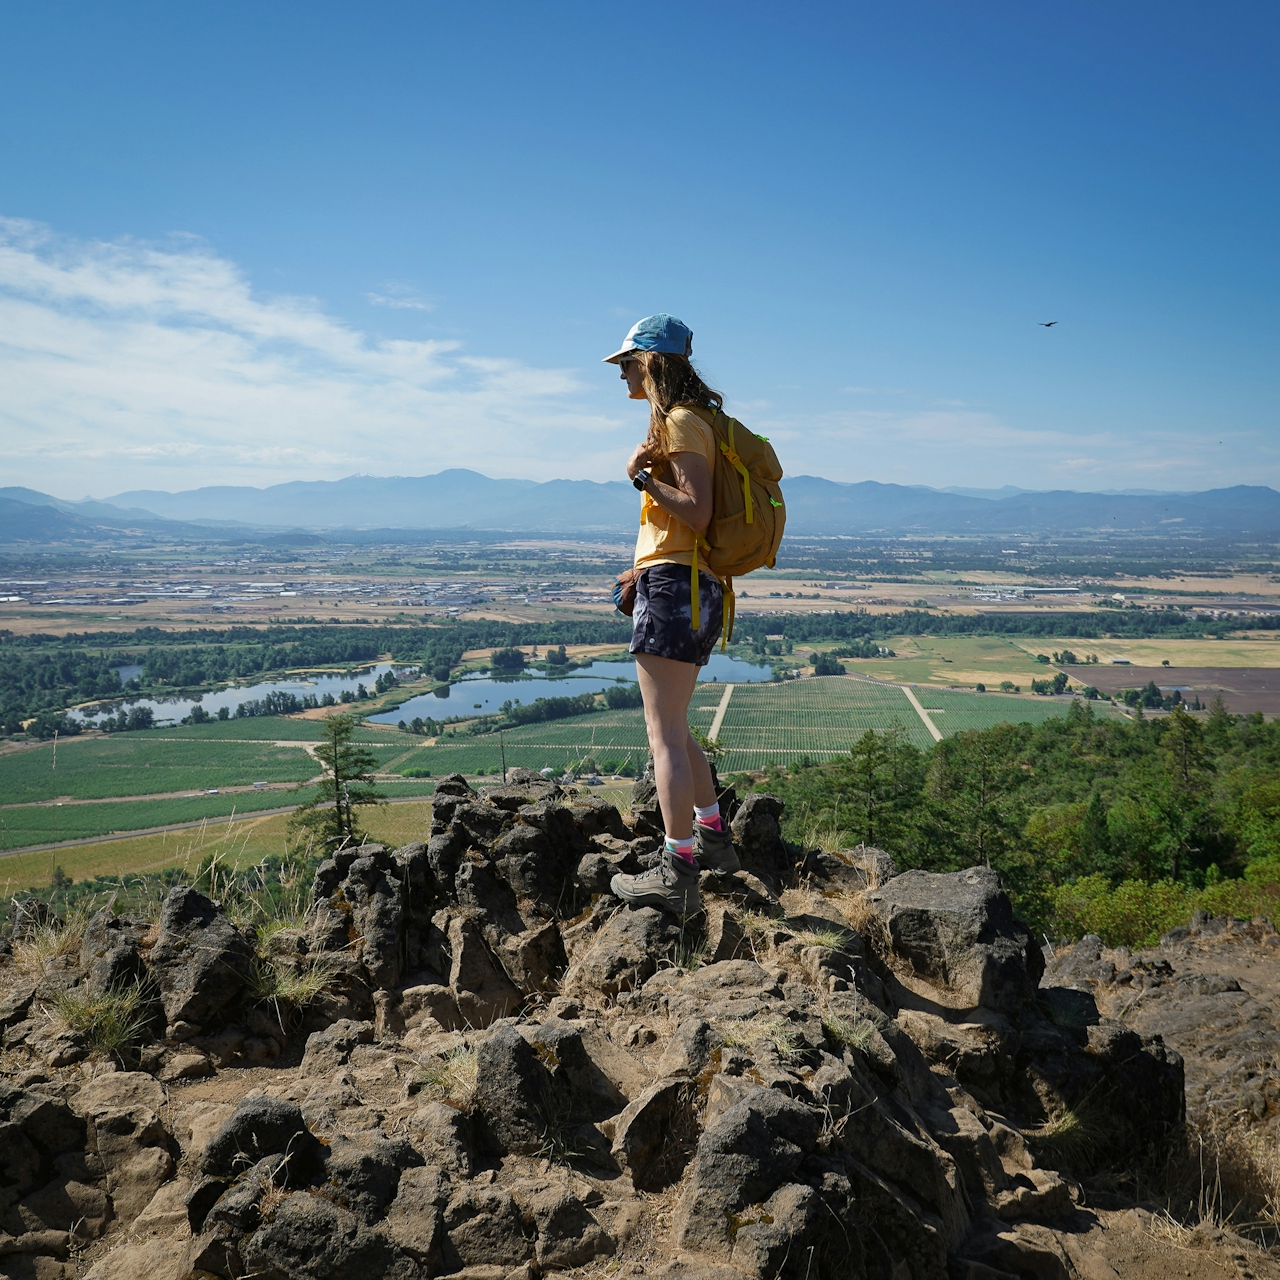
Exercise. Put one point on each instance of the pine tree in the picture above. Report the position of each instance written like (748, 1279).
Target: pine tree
(346, 784)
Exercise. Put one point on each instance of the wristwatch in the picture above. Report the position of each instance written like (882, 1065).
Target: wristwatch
(642, 478)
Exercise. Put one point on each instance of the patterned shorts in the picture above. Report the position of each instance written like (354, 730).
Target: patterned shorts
(662, 623)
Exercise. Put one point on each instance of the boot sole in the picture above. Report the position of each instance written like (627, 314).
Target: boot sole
(654, 900)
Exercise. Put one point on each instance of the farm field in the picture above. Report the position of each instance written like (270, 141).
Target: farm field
(609, 736)
(241, 843)
(1262, 651)
(967, 660)
(46, 824)
(278, 728)
(957, 711)
(145, 763)
(821, 717)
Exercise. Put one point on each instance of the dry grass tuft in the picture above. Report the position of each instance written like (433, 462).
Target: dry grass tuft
(451, 1078)
(776, 1031)
(45, 942)
(110, 1022)
(1230, 1176)
(864, 919)
(854, 1033)
(276, 982)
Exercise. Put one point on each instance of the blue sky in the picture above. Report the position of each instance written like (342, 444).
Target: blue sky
(248, 243)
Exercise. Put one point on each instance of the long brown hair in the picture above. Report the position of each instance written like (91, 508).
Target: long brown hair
(671, 380)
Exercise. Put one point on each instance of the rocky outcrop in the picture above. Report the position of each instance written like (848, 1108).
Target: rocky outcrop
(834, 1071)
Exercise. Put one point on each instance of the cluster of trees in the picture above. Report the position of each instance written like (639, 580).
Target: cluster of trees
(127, 719)
(825, 664)
(1050, 805)
(862, 649)
(1152, 697)
(35, 682)
(427, 728)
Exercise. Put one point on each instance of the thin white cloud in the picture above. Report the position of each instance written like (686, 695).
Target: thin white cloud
(129, 365)
(399, 295)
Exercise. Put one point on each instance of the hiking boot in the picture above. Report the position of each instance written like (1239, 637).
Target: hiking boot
(672, 885)
(714, 849)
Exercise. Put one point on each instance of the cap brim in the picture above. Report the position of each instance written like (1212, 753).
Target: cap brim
(619, 356)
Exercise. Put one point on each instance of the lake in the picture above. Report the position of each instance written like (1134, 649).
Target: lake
(479, 694)
(171, 710)
(484, 695)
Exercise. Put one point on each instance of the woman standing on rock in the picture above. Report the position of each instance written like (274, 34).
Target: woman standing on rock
(672, 468)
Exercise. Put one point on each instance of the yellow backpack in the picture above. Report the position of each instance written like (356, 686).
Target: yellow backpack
(748, 515)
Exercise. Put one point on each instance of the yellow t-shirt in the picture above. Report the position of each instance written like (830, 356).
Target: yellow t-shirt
(663, 539)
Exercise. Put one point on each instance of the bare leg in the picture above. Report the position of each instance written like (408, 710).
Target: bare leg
(680, 769)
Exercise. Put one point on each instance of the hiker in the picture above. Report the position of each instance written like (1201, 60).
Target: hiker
(677, 469)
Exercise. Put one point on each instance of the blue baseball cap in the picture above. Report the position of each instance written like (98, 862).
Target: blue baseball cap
(656, 333)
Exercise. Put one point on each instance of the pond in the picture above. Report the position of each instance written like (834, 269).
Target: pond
(171, 710)
(484, 694)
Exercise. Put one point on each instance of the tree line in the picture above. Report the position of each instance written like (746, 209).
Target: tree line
(1071, 801)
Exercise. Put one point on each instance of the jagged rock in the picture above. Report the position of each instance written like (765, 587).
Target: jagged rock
(15, 1003)
(311, 1238)
(110, 953)
(28, 915)
(596, 869)
(415, 1221)
(484, 1228)
(513, 1089)
(57, 1046)
(746, 891)
(154, 1259)
(567, 1234)
(35, 1129)
(479, 983)
(849, 870)
(200, 960)
(689, 1050)
(777, 1241)
(654, 1135)
(447, 1137)
(957, 931)
(166, 1211)
(364, 1172)
(260, 1126)
(430, 1001)
(757, 835)
(725, 937)
(743, 1156)
(534, 960)
(454, 784)
(623, 954)
(588, 1091)
(331, 1048)
(125, 1132)
(66, 1204)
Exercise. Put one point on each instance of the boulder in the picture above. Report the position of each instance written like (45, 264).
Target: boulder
(655, 1134)
(957, 931)
(35, 1129)
(311, 1238)
(480, 985)
(484, 1228)
(415, 1221)
(363, 1172)
(200, 961)
(567, 1235)
(513, 1089)
(743, 1156)
(110, 954)
(757, 835)
(260, 1126)
(125, 1132)
(622, 954)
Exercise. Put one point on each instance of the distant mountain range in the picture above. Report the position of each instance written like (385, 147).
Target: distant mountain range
(461, 499)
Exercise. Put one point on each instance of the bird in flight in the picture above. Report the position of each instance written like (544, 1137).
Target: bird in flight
(1046, 324)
